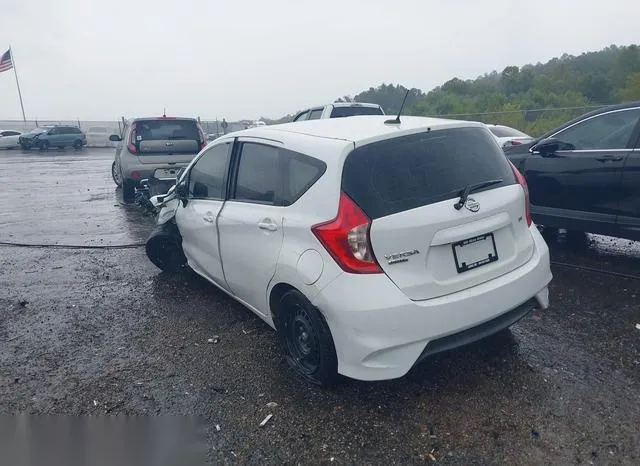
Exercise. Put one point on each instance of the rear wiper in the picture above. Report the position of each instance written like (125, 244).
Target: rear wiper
(474, 187)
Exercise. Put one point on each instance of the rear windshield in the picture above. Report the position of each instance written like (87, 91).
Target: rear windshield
(167, 130)
(167, 136)
(503, 132)
(406, 172)
(338, 112)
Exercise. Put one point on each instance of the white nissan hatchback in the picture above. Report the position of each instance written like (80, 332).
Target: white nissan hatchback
(368, 244)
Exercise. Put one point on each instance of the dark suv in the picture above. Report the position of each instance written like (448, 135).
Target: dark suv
(585, 175)
(53, 136)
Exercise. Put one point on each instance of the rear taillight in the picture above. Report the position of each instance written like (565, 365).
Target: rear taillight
(346, 238)
(131, 145)
(523, 182)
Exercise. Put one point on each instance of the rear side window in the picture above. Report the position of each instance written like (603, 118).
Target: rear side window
(316, 114)
(338, 112)
(407, 172)
(302, 116)
(167, 130)
(301, 172)
(274, 175)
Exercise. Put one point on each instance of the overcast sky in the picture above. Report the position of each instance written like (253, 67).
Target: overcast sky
(101, 59)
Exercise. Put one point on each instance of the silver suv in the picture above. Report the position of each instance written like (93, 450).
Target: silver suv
(154, 148)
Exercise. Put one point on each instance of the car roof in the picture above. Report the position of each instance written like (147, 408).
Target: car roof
(359, 130)
(160, 118)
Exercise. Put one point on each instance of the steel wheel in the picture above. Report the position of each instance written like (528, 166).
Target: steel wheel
(306, 339)
(302, 341)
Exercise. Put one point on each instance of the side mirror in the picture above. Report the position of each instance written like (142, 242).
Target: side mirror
(546, 147)
(115, 138)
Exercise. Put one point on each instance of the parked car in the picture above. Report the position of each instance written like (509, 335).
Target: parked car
(9, 138)
(585, 175)
(507, 136)
(154, 147)
(367, 244)
(45, 137)
(339, 109)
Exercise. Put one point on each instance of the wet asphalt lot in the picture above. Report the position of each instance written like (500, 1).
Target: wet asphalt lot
(103, 331)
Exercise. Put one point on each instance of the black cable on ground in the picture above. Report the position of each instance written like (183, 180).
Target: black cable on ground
(596, 270)
(72, 246)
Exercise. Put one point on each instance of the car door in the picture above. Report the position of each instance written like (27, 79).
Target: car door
(207, 188)
(629, 217)
(250, 224)
(579, 182)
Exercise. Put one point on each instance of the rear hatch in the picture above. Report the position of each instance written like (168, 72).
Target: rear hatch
(408, 187)
(167, 140)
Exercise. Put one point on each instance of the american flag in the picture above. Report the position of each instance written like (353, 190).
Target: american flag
(5, 62)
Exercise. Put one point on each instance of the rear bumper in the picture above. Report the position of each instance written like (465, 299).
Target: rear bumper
(380, 334)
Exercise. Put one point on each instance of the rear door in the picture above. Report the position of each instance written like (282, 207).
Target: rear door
(581, 182)
(164, 140)
(250, 224)
(408, 187)
(207, 180)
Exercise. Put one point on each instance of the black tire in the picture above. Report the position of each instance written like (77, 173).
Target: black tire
(306, 339)
(43, 145)
(128, 191)
(114, 174)
(77, 144)
(164, 248)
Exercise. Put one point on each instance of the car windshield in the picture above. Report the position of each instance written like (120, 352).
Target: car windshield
(506, 132)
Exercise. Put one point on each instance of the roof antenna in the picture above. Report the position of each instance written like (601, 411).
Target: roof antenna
(396, 121)
(164, 112)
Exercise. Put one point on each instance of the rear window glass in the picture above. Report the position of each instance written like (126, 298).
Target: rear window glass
(406, 172)
(338, 112)
(502, 132)
(167, 130)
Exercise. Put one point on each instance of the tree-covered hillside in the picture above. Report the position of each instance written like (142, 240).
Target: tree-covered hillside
(533, 98)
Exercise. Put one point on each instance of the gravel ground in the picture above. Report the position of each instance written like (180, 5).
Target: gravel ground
(104, 332)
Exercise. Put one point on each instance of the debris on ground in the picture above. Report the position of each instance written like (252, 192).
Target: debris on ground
(215, 339)
(266, 419)
(218, 427)
(23, 303)
(637, 326)
(272, 404)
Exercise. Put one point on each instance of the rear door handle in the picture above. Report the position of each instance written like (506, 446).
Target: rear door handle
(209, 218)
(268, 224)
(609, 158)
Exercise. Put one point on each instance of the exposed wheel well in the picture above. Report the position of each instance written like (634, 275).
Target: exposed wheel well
(274, 298)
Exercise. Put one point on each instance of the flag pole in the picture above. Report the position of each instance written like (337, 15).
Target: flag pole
(15, 72)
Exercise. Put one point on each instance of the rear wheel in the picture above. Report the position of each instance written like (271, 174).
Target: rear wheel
(128, 191)
(77, 144)
(115, 174)
(307, 340)
(164, 248)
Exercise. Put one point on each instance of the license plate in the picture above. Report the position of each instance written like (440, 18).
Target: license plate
(165, 173)
(475, 252)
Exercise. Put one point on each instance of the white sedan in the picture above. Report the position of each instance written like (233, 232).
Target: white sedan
(507, 136)
(9, 139)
